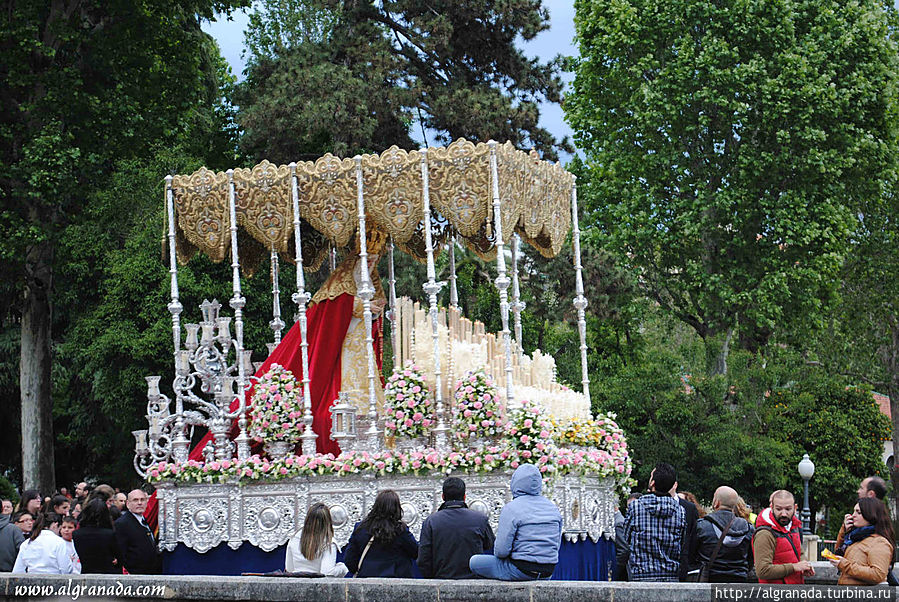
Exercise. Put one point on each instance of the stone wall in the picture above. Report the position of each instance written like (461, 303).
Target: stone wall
(198, 588)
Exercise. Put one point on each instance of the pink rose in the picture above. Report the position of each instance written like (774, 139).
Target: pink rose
(283, 470)
(528, 423)
(154, 473)
(417, 416)
(400, 414)
(288, 387)
(544, 434)
(410, 403)
(525, 439)
(400, 397)
(467, 413)
(408, 422)
(416, 389)
(478, 405)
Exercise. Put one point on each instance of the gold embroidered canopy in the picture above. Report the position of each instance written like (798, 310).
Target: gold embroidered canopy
(535, 202)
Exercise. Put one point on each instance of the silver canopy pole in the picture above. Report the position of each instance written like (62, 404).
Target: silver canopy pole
(580, 301)
(277, 324)
(502, 280)
(517, 304)
(454, 293)
(237, 303)
(301, 298)
(367, 293)
(180, 443)
(392, 313)
(432, 288)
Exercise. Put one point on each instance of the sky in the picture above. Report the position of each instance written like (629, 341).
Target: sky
(229, 33)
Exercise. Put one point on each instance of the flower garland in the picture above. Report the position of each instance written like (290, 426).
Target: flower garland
(419, 462)
(528, 430)
(276, 410)
(476, 412)
(408, 403)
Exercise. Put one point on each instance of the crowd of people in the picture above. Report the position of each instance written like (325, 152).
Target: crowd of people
(661, 536)
(96, 530)
(456, 542)
(666, 536)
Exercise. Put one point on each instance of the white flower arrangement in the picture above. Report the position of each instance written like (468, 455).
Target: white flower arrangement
(276, 409)
(408, 405)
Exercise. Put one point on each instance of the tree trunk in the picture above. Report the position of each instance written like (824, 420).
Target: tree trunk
(38, 470)
(716, 357)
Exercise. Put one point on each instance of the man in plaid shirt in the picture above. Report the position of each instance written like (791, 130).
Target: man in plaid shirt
(654, 529)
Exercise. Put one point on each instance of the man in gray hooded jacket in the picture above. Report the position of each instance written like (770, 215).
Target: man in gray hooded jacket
(528, 535)
(11, 537)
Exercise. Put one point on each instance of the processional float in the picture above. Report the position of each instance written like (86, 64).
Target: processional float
(473, 195)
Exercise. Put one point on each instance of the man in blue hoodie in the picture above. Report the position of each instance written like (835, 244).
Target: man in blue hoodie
(654, 528)
(528, 535)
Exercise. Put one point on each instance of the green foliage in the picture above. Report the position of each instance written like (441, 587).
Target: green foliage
(345, 76)
(709, 444)
(8, 490)
(728, 144)
(749, 428)
(842, 430)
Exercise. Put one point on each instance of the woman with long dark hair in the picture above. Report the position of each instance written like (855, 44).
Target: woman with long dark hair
(313, 550)
(44, 551)
(30, 502)
(95, 540)
(866, 555)
(382, 545)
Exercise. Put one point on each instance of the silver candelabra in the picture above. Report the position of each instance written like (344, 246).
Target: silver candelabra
(205, 368)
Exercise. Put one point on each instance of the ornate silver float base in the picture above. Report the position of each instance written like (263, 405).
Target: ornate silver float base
(202, 516)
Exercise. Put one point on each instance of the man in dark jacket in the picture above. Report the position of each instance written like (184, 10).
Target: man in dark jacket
(731, 564)
(452, 535)
(689, 541)
(136, 541)
(654, 530)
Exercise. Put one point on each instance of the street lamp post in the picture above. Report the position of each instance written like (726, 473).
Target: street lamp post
(806, 471)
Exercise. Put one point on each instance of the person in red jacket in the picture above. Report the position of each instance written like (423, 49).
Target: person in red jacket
(777, 543)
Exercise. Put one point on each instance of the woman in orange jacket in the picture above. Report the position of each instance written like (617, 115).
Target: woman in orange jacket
(866, 555)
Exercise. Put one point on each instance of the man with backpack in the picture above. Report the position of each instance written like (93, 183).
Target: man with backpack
(724, 541)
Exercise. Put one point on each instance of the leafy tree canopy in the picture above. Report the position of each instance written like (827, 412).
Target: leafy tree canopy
(728, 143)
(348, 76)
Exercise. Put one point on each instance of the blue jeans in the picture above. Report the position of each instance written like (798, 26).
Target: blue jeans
(491, 567)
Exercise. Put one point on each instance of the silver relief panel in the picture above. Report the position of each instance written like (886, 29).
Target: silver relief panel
(202, 520)
(267, 515)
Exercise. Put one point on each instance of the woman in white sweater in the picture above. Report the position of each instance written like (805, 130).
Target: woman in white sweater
(45, 551)
(312, 550)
